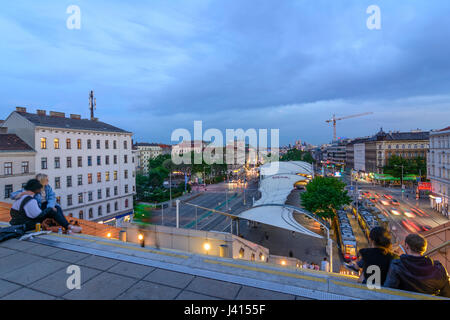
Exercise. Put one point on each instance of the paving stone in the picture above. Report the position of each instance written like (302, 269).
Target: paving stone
(251, 293)
(214, 288)
(170, 278)
(105, 286)
(15, 261)
(17, 244)
(131, 270)
(7, 287)
(27, 294)
(6, 252)
(69, 256)
(56, 283)
(34, 271)
(144, 290)
(42, 250)
(188, 295)
(97, 262)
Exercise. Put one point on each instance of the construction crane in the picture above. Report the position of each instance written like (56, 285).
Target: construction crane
(334, 119)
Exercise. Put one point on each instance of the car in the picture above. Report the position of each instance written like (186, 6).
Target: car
(387, 196)
(395, 202)
(425, 228)
(384, 202)
(409, 214)
(395, 211)
(374, 200)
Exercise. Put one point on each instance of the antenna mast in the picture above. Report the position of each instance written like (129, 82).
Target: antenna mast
(92, 104)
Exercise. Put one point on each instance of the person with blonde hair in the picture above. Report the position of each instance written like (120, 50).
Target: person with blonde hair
(46, 198)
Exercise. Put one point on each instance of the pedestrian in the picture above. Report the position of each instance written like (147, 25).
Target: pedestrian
(325, 265)
(305, 265)
(379, 254)
(416, 272)
(316, 267)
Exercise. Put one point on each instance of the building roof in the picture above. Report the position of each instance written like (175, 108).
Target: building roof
(445, 129)
(11, 142)
(69, 123)
(146, 144)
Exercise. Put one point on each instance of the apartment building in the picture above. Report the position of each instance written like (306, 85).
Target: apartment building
(438, 167)
(89, 162)
(147, 151)
(17, 161)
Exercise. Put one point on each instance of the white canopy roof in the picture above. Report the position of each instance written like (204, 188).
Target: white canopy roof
(277, 181)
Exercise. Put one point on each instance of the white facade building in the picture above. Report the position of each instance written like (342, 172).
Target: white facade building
(89, 163)
(147, 151)
(438, 167)
(17, 160)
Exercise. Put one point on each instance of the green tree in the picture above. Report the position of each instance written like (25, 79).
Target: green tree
(324, 195)
(297, 155)
(414, 166)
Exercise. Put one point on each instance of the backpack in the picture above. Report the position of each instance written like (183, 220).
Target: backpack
(12, 232)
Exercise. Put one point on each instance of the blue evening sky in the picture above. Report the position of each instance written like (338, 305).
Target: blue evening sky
(159, 65)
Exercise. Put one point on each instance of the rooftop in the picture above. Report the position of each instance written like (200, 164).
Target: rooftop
(11, 142)
(58, 120)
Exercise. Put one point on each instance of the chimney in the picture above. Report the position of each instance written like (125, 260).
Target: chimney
(75, 116)
(57, 114)
(41, 112)
(21, 109)
(3, 130)
(94, 119)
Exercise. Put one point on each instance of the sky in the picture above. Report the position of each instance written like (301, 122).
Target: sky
(157, 66)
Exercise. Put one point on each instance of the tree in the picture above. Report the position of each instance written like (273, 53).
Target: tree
(324, 195)
(414, 166)
(297, 155)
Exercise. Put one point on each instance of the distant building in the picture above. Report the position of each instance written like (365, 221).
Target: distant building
(147, 151)
(89, 163)
(17, 161)
(438, 167)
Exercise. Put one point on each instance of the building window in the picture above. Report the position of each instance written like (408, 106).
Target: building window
(126, 203)
(89, 161)
(99, 160)
(89, 178)
(90, 196)
(80, 162)
(57, 163)
(8, 169)
(69, 200)
(58, 200)
(8, 190)
(107, 160)
(126, 188)
(56, 143)
(89, 144)
(80, 214)
(57, 183)
(125, 158)
(98, 144)
(43, 143)
(125, 144)
(108, 193)
(126, 174)
(43, 163)
(69, 162)
(107, 176)
(25, 167)
(116, 206)
(115, 159)
(99, 193)
(69, 181)
(79, 144)
(68, 144)
(99, 177)
(115, 175)
(108, 208)
(100, 211)
(91, 213)
(106, 144)
(116, 190)
(80, 197)
(80, 179)
(115, 144)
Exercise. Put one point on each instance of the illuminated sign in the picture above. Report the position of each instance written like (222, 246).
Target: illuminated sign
(425, 186)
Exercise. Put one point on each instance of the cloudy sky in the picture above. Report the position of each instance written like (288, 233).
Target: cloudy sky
(278, 64)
